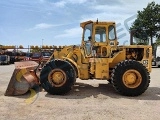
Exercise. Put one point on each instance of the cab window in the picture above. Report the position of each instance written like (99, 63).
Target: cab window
(100, 34)
(111, 30)
(88, 32)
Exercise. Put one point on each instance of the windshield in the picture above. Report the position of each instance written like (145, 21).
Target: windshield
(3, 58)
(46, 54)
(36, 54)
(87, 32)
(28, 55)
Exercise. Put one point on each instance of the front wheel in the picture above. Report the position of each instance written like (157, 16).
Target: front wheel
(130, 78)
(57, 77)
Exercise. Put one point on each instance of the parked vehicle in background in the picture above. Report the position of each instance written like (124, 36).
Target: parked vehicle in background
(15, 56)
(156, 58)
(28, 57)
(36, 57)
(12, 59)
(46, 56)
(43, 56)
(4, 59)
(12, 56)
(20, 56)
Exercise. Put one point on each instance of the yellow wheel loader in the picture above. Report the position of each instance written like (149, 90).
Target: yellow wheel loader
(98, 57)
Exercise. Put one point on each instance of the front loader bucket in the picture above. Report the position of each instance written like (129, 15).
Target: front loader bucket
(21, 80)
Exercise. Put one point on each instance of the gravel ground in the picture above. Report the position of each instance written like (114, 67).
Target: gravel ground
(89, 100)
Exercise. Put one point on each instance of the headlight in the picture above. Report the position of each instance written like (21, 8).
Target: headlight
(145, 62)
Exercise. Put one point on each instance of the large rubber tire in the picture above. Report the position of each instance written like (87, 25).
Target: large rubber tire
(57, 70)
(125, 73)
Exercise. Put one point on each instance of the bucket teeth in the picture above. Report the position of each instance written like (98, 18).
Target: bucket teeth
(21, 80)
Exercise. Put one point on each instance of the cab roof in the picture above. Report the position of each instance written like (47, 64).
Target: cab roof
(97, 22)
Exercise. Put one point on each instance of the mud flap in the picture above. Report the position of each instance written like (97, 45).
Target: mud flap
(21, 80)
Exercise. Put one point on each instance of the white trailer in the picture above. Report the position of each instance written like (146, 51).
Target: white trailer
(156, 61)
(4, 59)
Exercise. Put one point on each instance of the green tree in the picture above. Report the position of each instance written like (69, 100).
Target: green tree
(157, 42)
(147, 23)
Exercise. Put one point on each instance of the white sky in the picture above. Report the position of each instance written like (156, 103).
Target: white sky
(57, 22)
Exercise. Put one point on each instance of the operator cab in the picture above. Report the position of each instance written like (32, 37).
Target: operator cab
(98, 38)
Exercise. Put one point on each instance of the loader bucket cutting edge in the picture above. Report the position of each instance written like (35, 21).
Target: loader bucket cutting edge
(21, 80)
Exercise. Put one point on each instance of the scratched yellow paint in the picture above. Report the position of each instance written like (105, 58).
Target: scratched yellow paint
(20, 74)
(32, 97)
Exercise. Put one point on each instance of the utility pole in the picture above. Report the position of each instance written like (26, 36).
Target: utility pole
(42, 45)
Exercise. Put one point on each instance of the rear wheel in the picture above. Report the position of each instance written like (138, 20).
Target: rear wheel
(57, 77)
(130, 78)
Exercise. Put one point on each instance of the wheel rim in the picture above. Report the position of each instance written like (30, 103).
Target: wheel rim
(132, 78)
(57, 77)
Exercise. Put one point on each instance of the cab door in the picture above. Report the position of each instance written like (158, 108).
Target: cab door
(87, 40)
